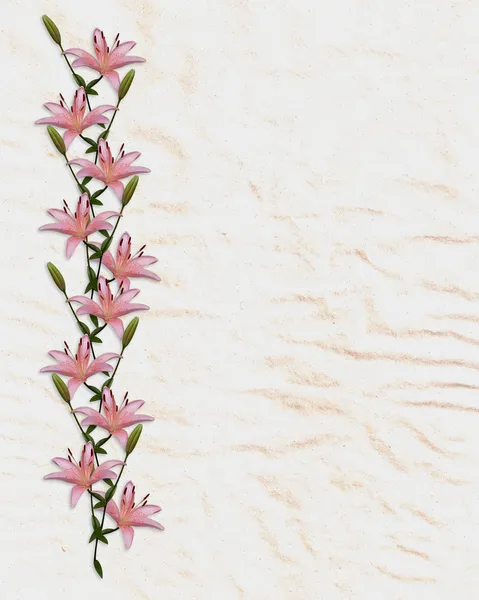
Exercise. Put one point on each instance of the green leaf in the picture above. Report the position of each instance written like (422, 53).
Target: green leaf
(91, 246)
(102, 441)
(106, 244)
(109, 482)
(96, 202)
(102, 538)
(91, 92)
(96, 523)
(87, 289)
(92, 537)
(94, 320)
(94, 82)
(93, 256)
(91, 275)
(101, 451)
(79, 79)
(110, 493)
(92, 143)
(98, 569)
(107, 531)
(104, 232)
(98, 193)
(103, 135)
(83, 328)
(86, 180)
(90, 428)
(97, 496)
(95, 339)
(95, 398)
(99, 504)
(107, 383)
(94, 389)
(88, 437)
(91, 149)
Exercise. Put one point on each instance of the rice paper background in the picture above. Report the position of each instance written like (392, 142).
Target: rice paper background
(312, 354)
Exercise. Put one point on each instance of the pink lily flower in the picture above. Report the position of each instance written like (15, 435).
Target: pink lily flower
(77, 367)
(78, 226)
(115, 419)
(74, 119)
(110, 307)
(129, 516)
(83, 474)
(106, 61)
(110, 170)
(125, 266)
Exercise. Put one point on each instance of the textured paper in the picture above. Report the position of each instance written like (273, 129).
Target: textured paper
(312, 354)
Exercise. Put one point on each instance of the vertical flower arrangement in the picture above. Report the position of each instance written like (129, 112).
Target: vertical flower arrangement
(104, 425)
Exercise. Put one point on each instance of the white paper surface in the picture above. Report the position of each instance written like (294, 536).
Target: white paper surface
(311, 356)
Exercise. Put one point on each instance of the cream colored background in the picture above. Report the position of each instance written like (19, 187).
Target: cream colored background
(312, 354)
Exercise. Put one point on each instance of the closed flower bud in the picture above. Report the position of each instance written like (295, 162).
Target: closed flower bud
(52, 29)
(126, 84)
(129, 190)
(61, 387)
(133, 439)
(57, 140)
(130, 331)
(57, 277)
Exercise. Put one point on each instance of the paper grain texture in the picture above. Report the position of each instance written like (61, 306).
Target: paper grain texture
(311, 356)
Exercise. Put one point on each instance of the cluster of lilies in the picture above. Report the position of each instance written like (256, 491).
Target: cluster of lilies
(73, 371)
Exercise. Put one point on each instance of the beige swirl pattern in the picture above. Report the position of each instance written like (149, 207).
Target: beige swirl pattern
(312, 358)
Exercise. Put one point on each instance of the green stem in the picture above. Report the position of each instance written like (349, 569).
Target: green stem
(105, 133)
(73, 73)
(112, 377)
(84, 435)
(71, 308)
(110, 238)
(80, 185)
(104, 509)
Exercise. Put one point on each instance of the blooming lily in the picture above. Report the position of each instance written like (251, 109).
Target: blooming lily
(125, 266)
(74, 119)
(83, 474)
(115, 419)
(129, 516)
(78, 226)
(77, 367)
(110, 307)
(106, 61)
(110, 170)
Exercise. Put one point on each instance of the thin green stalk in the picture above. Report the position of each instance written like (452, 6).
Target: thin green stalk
(111, 378)
(110, 238)
(104, 508)
(107, 130)
(84, 435)
(73, 73)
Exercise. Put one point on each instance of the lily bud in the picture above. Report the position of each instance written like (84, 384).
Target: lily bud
(57, 277)
(130, 331)
(52, 30)
(129, 190)
(126, 84)
(61, 387)
(133, 439)
(57, 140)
